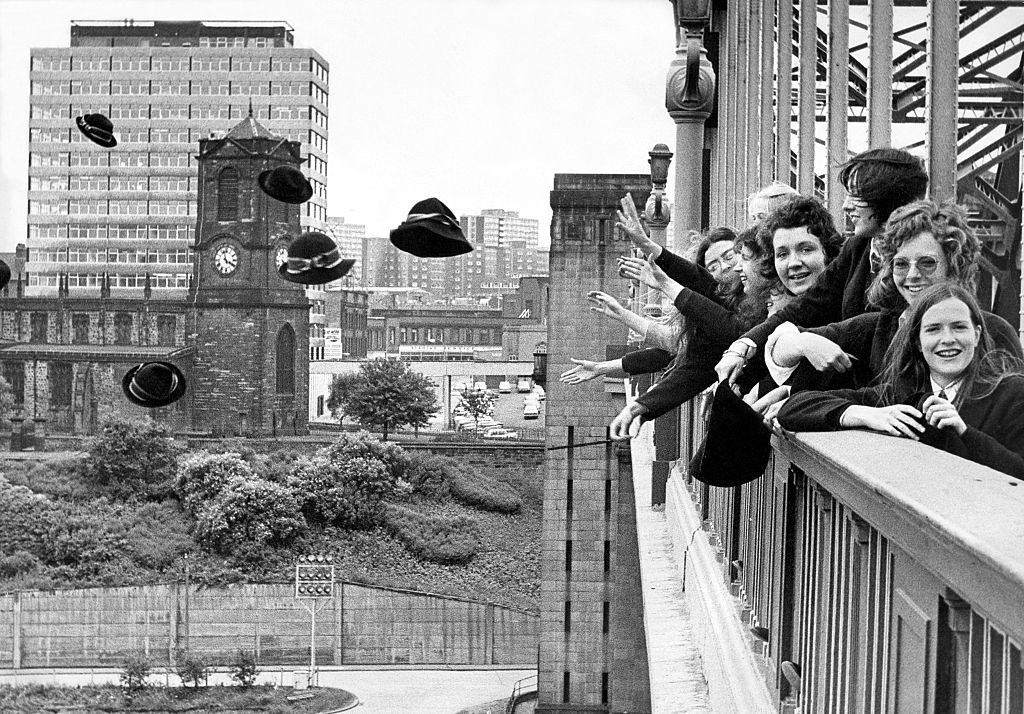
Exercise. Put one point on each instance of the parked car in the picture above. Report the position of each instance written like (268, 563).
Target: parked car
(531, 411)
(505, 388)
(480, 387)
(523, 385)
(501, 434)
(539, 391)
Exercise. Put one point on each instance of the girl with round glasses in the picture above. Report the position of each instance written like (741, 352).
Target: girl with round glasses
(946, 385)
(924, 244)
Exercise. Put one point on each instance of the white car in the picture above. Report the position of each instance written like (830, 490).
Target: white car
(505, 388)
(531, 411)
(523, 386)
(501, 434)
(539, 392)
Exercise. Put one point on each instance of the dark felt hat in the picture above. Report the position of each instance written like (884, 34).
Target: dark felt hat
(431, 230)
(737, 446)
(98, 128)
(313, 259)
(286, 184)
(5, 274)
(154, 384)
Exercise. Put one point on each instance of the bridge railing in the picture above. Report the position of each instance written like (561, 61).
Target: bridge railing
(872, 573)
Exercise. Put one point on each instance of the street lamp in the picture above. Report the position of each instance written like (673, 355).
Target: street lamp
(660, 159)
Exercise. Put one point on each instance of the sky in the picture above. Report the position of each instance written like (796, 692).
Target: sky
(476, 102)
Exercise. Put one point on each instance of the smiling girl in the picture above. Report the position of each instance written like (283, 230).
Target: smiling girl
(945, 384)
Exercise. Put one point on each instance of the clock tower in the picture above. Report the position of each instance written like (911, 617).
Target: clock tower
(251, 327)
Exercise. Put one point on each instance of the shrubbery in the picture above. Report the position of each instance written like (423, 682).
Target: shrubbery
(482, 491)
(192, 669)
(442, 539)
(201, 478)
(26, 519)
(431, 475)
(248, 514)
(365, 444)
(440, 476)
(130, 459)
(243, 668)
(344, 490)
(134, 671)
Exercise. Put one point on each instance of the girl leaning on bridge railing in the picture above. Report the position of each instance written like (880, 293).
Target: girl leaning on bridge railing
(945, 384)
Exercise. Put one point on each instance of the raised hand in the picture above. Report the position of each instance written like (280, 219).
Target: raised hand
(605, 304)
(646, 271)
(941, 414)
(584, 371)
(628, 221)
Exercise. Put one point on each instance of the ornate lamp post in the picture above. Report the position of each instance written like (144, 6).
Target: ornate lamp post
(689, 97)
(658, 214)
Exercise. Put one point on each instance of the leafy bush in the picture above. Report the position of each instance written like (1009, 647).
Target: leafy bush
(346, 490)
(482, 491)
(431, 475)
(192, 669)
(134, 671)
(26, 519)
(247, 514)
(60, 477)
(365, 444)
(243, 668)
(202, 478)
(441, 539)
(158, 535)
(130, 458)
(90, 541)
(17, 563)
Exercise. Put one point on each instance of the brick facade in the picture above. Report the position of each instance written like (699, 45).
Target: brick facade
(592, 655)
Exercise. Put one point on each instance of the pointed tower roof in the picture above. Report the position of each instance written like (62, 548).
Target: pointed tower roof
(249, 128)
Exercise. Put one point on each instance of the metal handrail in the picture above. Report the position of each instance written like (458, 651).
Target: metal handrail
(524, 686)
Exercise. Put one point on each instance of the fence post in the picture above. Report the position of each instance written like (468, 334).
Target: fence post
(339, 624)
(16, 622)
(172, 627)
(489, 634)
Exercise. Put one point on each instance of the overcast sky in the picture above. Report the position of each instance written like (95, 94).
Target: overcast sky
(477, 102)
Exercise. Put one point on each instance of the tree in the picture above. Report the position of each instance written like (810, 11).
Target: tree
(478, 402)
(132, 458)
(343, 386)
(389, 395)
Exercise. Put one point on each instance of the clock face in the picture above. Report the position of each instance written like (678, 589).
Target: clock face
(281, 256)
(225, 260)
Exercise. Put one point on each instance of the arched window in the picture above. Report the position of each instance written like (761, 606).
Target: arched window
(286, 360)
(227, 195)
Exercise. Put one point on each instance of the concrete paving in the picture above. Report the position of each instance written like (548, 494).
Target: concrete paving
(380, 691)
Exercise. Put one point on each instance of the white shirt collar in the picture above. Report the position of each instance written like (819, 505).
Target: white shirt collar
(951, 390)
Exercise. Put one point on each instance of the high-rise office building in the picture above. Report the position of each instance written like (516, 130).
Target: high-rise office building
(350, 238)
(505, 249)
(131, 211)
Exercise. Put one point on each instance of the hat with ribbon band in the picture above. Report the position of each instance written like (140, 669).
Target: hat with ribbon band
(431, 230)
(314, 259)
(154, 384)
(98, 129)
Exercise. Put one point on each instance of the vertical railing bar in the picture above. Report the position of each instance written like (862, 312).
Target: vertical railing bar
(805, 108)
(941, 97)
(879, 73)
(784, 93)
(767, 71)
(838, 100)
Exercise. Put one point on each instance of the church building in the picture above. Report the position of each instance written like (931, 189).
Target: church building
(241, 336)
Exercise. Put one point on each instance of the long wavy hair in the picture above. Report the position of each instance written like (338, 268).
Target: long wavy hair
(907, 373)
(948, 223)
(801, 212)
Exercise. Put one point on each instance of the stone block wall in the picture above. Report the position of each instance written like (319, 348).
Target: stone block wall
(593, 653)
